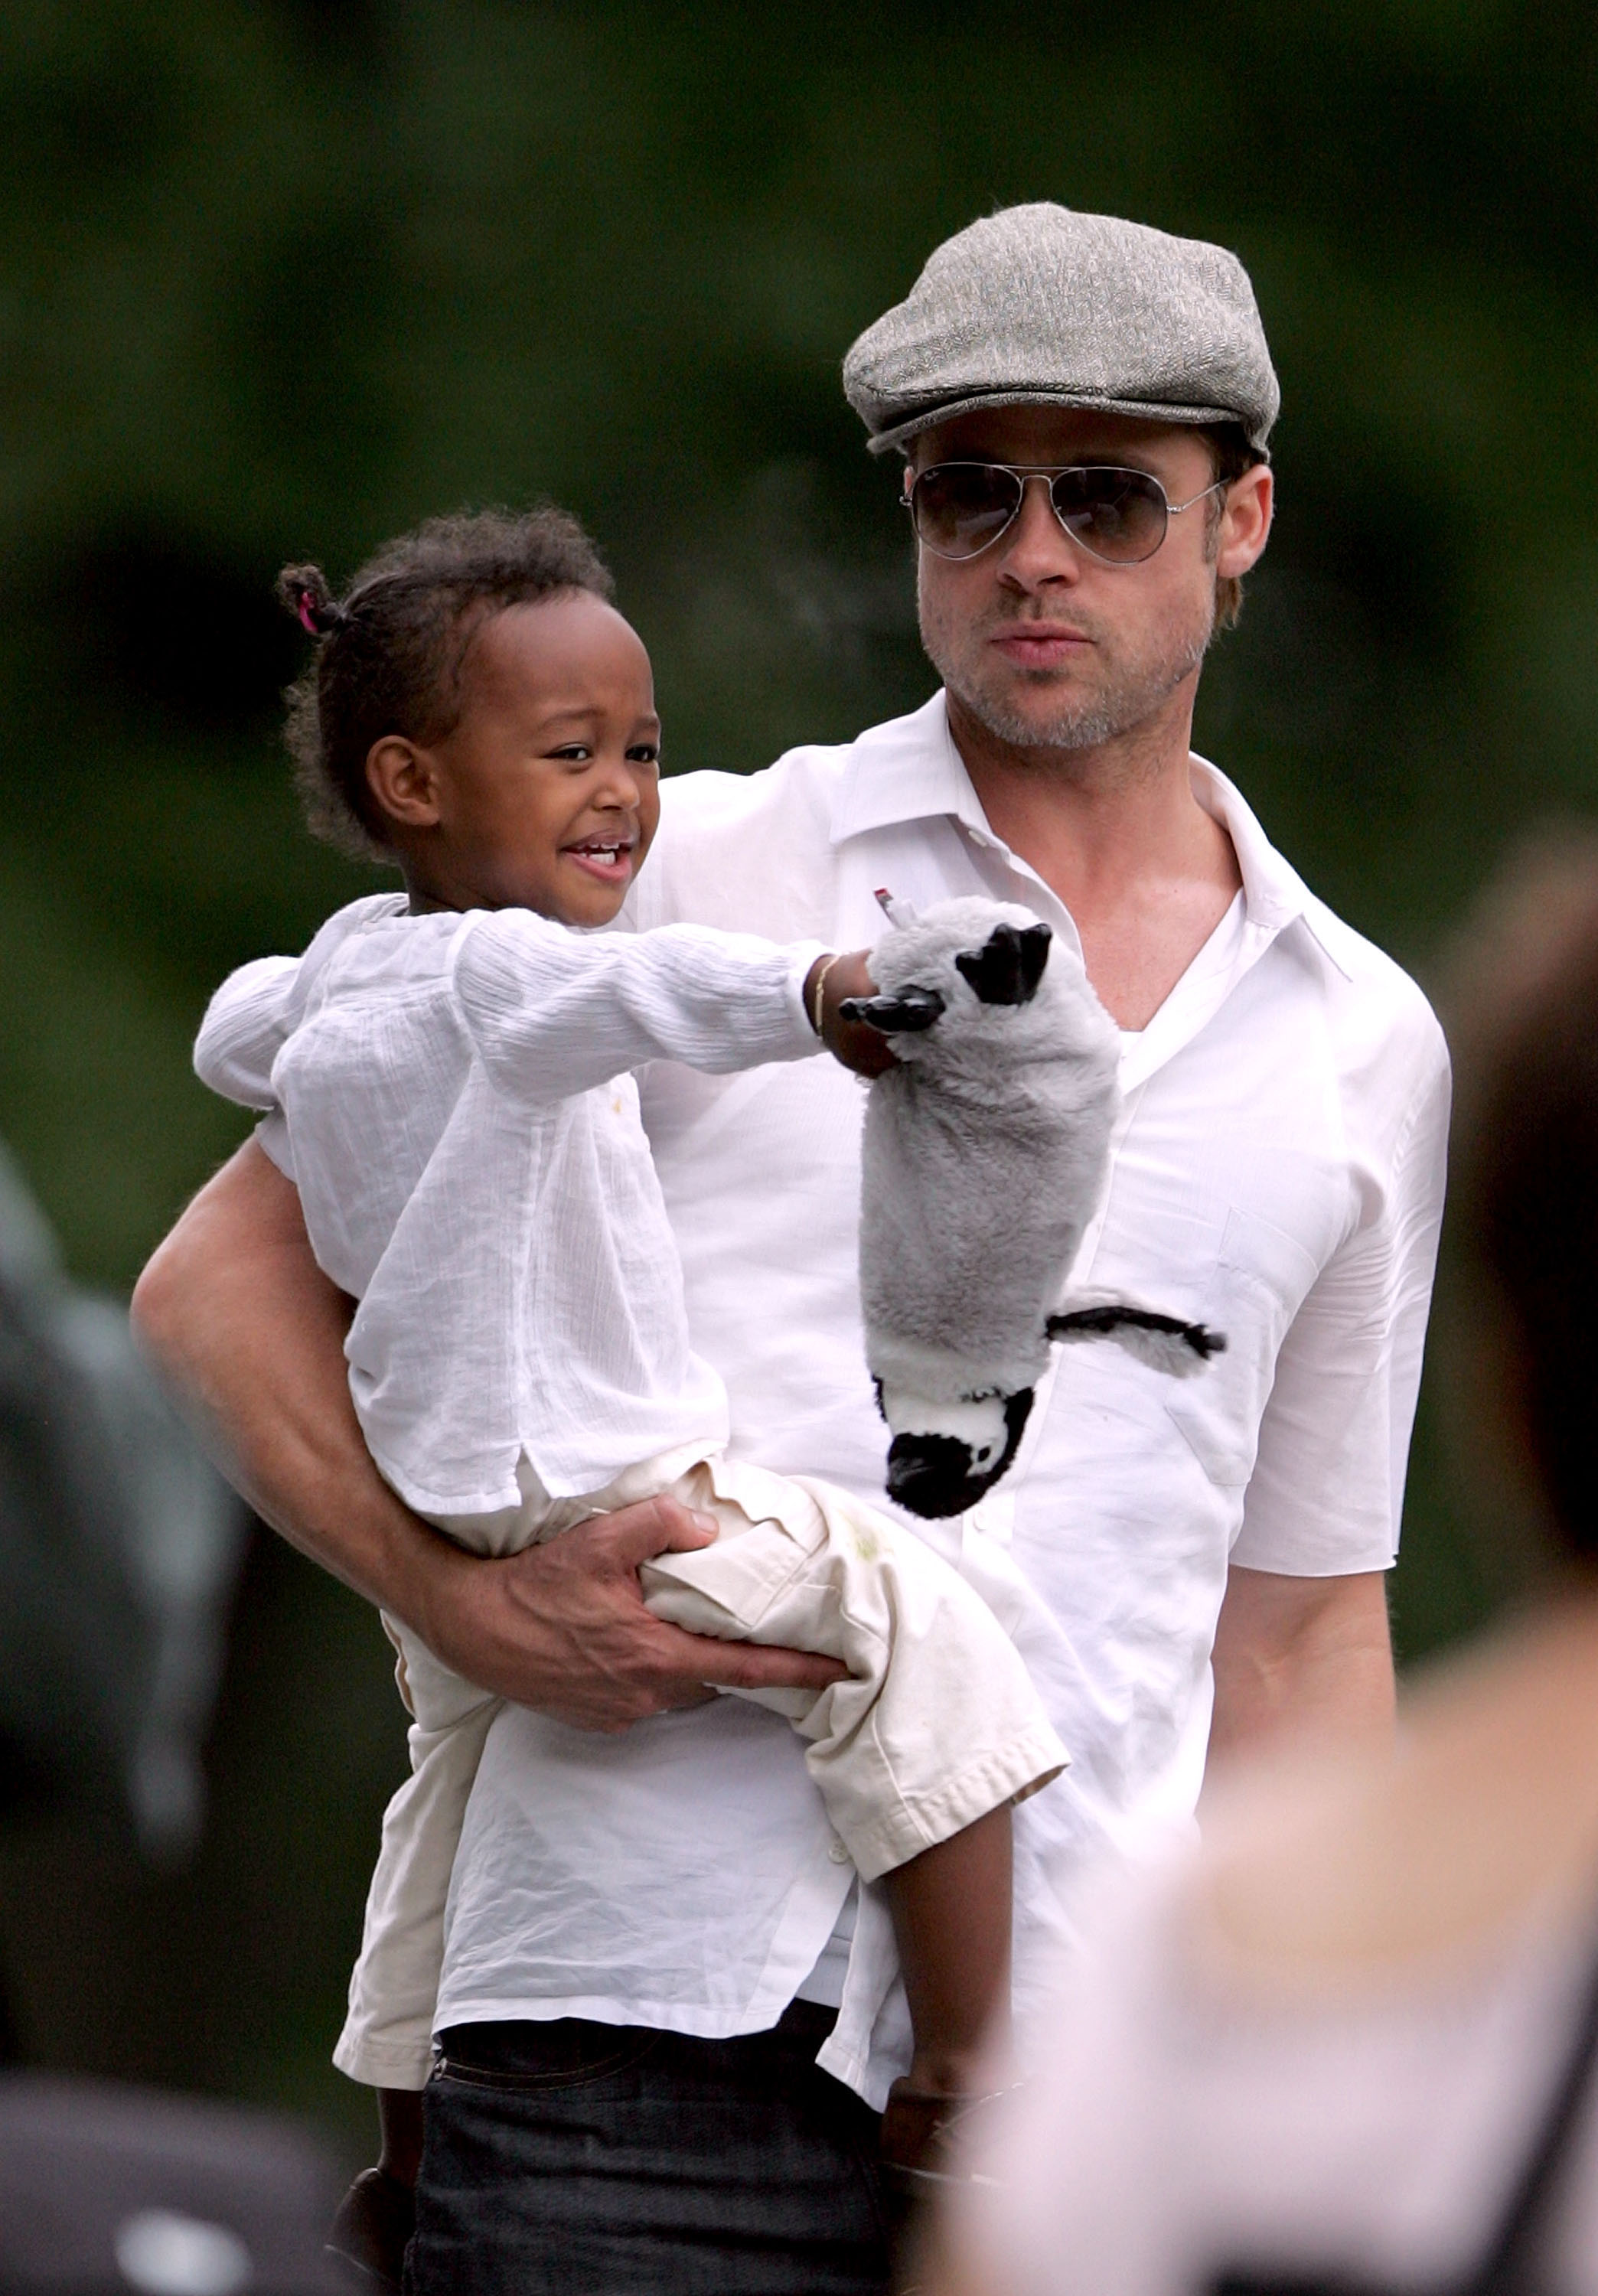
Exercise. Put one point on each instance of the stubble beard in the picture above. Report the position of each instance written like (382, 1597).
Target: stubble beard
(1129, 690)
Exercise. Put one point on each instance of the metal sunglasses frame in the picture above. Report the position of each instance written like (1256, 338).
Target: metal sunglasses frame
(1021, 472)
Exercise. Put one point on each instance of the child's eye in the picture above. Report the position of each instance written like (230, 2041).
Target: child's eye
(573, 753)
(646, 753)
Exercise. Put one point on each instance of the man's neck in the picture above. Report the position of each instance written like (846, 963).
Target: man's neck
(1090, 820)
(1116, 831)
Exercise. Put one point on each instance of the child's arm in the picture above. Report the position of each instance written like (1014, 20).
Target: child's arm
(243, 1031)
(554, 1012)
(251, 1016)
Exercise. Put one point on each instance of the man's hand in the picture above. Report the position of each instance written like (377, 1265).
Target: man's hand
(250, 1335)
(1305, 1659)
(563, 1627)
(859, 1046)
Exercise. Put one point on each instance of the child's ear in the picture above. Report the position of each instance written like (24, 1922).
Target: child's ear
(403, 781)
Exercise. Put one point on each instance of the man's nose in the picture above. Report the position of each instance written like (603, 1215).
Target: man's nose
(1037, 549)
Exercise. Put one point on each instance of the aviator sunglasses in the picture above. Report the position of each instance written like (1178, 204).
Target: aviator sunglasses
(960, 509)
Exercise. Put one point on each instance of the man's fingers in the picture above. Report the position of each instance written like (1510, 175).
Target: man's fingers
(763, 1666)
(634, 1534)
(563, 1627)
(699, 1658)
(681, 1662)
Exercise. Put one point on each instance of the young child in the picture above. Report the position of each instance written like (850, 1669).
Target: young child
(445, 1075)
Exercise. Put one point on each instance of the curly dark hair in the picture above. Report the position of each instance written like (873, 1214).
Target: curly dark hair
(391, 654)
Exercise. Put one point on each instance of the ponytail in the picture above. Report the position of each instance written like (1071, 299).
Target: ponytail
(303, 592)
(389, 656)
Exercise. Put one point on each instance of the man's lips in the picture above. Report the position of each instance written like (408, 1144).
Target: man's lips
(1040, 645)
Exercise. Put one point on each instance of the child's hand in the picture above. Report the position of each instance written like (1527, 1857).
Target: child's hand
(865, 1050)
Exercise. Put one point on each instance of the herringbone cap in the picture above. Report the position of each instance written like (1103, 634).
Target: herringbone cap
(1039, 305)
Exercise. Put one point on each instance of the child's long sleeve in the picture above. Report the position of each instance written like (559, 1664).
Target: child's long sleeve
(553, 1013)
(245, 1025)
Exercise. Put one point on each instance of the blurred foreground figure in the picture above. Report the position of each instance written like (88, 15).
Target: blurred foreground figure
(104, 2188)
(118, 1549)
(1353, 2045)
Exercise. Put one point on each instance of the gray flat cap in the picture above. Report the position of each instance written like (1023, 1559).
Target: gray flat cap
(1040, 305)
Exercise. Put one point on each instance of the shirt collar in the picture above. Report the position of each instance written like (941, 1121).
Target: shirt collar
(1275, 895)
(909, 770)
(906, 770)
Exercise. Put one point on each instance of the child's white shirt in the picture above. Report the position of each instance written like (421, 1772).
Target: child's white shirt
(450, 1093)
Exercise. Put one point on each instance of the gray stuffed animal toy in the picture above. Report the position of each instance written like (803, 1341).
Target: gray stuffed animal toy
(987, 1154)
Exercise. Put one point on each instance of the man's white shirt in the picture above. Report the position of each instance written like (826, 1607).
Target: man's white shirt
(1277, 1173)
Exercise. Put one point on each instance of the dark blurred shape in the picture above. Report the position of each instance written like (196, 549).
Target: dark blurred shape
(374, 2225)
(1524, 995)
(164, 625)
(117, 1550)
(105, 2189)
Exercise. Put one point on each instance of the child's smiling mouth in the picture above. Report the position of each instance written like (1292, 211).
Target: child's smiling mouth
(608, 858)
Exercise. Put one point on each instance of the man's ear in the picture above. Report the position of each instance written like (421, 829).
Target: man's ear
(1245, 522)
(404, 781)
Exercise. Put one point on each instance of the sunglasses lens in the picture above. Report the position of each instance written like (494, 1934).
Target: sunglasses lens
(960, 507)
(1117, 515)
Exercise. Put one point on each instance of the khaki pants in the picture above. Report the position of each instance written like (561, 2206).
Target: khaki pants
(935, 1723)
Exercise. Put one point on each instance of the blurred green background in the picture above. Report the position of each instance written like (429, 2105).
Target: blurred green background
(280, 278)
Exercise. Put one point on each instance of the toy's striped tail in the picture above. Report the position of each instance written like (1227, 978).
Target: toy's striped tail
(1165, 1342)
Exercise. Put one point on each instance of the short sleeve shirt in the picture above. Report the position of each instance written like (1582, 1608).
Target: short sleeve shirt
(1276, 1173)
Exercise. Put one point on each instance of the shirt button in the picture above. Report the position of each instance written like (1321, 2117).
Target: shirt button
(839, 1855)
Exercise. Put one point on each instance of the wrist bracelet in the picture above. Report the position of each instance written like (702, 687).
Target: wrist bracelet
(821, 982)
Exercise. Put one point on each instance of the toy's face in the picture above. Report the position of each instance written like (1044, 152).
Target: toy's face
(1005, 970)
(941, 1470)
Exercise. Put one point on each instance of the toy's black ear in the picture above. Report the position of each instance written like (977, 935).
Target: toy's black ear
(1007, 968)
(908, 1012)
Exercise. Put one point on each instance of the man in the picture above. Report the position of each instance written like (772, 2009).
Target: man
(1083, 405)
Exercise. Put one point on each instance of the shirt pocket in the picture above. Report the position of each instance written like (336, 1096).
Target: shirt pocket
(1261, 1277)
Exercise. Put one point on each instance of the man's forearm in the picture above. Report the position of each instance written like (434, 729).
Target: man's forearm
(1307, 1658)
(249, 1333)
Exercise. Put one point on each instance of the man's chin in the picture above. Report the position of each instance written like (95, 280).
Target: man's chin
(1034, 719)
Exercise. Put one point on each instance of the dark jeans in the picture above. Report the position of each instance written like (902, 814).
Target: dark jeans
(614, 2161)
